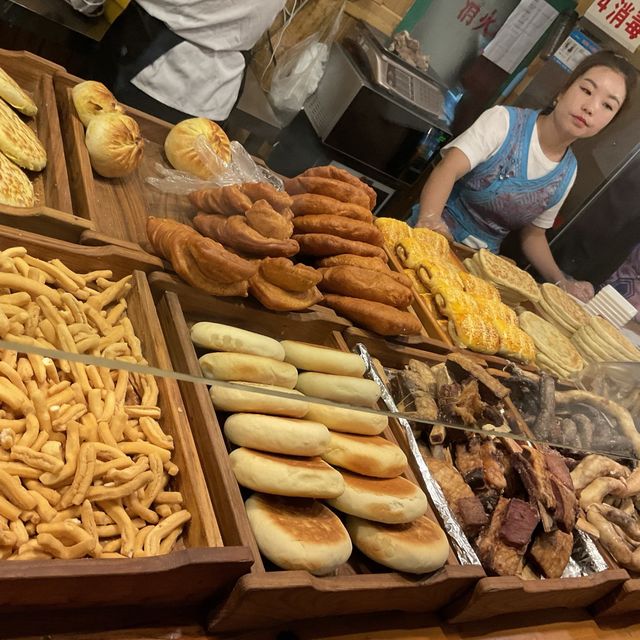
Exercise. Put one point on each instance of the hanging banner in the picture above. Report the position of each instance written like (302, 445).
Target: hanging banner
(619, 20)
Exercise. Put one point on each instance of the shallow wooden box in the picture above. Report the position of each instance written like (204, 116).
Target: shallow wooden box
(116, 208)
(266, 596)
(53, 213)
(492, 596)
(205, 568)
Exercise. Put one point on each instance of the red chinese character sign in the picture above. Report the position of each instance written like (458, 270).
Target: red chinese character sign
(618, 19)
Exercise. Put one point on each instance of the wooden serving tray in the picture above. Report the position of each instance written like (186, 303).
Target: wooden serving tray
(492, 596)
(190, 576)
(53, 213)
(268, 596)
(116, 208)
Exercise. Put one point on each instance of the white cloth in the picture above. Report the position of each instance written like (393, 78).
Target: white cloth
(202, 75)
(485, 136)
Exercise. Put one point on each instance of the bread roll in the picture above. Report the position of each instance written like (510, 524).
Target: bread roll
(221, 337)
(320, 359)
(277, 435)
(226, 399)
(91, 98)
(367, 455)
(394, 501)
(344, 389)
(285, 475)
(420, 546)
(248, 368)
(295, 533)
(347, 420)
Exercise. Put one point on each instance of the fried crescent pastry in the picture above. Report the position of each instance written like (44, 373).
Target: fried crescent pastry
(218, 263)
(226, 201)
(339, 226)
(262, 217)
(336, 173)
(234, 232)
(312, 204)
(327, 187)
(323, 244)
(367, 284)
(279, 200)
(288, 276)
(278, 299)
(375, 316)
(375, 264)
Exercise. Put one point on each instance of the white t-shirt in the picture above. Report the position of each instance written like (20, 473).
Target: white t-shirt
(486, 135)
(203, 74)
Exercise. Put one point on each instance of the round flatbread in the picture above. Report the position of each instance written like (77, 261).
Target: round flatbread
(297, 533)
(564, 305)
(18, 142)
(16, 189)
(612, 336)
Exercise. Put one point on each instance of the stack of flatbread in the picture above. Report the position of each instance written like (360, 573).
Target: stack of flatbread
(560, 309)
(19, 145)
(555, 352)
(599, 341)
(514, 284)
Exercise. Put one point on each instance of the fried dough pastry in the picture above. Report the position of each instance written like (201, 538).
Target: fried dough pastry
(286, 275)
(323, 244)
(278, 299)
(281, 201)
(362, 283)
(226, 201)
(336, 173)
(375, 264)
(311, 204)
(234, 232)
(339, 226)
(327, 187)
(262, 217)
(175, 241)
(375, 316)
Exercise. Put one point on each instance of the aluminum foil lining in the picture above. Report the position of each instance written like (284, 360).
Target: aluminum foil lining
(459, 541)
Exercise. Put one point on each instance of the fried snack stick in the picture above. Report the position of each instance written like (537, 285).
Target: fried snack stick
(377, 317)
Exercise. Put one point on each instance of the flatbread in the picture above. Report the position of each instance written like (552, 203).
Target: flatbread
(551, 342)
(18, 142)
(16, 189)
(546, 363)
(614, 337)
(13, 93)
(564, 305)
(551, 315)
(585, 349)
(611, 353)
(508, 275)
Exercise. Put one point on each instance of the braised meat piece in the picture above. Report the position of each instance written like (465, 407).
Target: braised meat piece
(460, 402)
(557, 466)
(566, 510)
(532, 468)
(519, 523)
(492, 467)
(469, 462)
(496, 390)
(471, 515)
(451, 482)
(552, 551)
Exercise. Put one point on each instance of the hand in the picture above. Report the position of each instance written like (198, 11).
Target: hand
(580, 289)
(435, 223)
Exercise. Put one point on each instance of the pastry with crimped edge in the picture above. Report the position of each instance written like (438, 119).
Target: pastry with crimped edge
(12, 92)
(18, 142)
(16, 189)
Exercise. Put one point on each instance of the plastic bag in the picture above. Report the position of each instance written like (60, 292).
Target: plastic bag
(242, 168)
(300, 69)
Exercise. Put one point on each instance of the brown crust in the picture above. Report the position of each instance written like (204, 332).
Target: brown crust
(327, 187)
(339, 226)
(229, 200)
(323, 244)
(278, 299)
(264, 219)
(288, 276)
(279, 200)
(308, 204)
(336, 173)
(396, 487)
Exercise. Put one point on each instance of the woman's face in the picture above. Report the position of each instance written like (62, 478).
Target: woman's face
(590, 103)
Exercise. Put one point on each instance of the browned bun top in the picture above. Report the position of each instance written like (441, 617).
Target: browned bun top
(396, 487)
(314, 462)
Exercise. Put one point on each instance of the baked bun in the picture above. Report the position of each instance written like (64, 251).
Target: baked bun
(285, 475)
(367, 455)
(248, 368)
(297, 533)
(91, 98)
(277, 435)
(227, 399)
(420, 546)
(221, 337)
(180, 145)
(344, 389)
(347, 420)
(394, 501)
(320, 359)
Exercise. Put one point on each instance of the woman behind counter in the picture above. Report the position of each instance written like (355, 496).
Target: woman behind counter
(513, 168)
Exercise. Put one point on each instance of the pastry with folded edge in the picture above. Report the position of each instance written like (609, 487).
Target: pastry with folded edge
(286, 275)
(298, 534)
(324, 244)
(308, 204)
(276, 298)
(279, 475)
(262, 217)
(339, 226)
(336, 173)
(327, 187)
(281, 201)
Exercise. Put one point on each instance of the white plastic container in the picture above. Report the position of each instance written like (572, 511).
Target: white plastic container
(609, 304)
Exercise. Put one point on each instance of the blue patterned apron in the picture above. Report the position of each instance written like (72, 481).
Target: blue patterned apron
(496, 197)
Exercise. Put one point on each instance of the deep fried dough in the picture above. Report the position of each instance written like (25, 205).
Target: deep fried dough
(339, 226)
(327, 187)
(311, 204)
(323, 244)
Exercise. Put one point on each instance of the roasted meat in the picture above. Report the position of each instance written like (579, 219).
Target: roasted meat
(461, 402)
(488, 383)
(552, 551)
(471, 515)
(492, 467)
(519, 523)
(532, 468)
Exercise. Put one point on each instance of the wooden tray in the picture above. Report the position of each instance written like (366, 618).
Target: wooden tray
(267, 597)
(493, 596)
(117, 208)
(53, 213)
(624, 599)
(187, 577)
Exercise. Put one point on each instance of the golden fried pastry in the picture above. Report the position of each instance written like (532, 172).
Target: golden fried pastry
(279, 200)
(278, 299)
(327, 187)
(286, 275)
(339, 226)
(262, 217)
(323, 244)
(311, 204)
(336, 173)
(226, 201)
